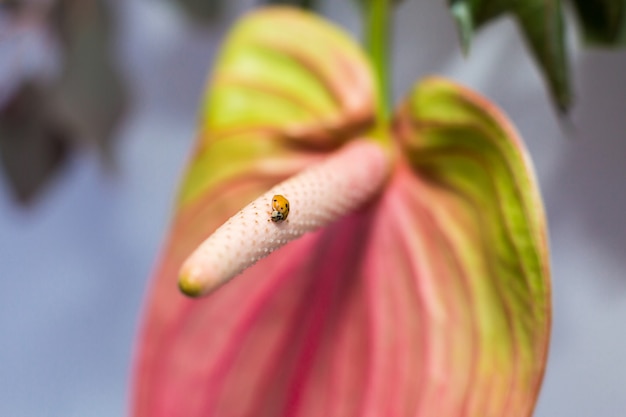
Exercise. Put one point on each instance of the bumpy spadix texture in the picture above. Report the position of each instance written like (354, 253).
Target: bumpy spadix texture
(318, 196)
(429, 299)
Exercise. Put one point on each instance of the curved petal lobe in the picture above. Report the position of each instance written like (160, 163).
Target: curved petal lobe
(483, 278)
(287, 86)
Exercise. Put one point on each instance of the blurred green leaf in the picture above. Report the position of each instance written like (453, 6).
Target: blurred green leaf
(465, 23)
(365, 2)
(201, 11)
(43, 120)
(34, 141)
(541, 22)
(305, 4)
(603, 21)
(90, 92)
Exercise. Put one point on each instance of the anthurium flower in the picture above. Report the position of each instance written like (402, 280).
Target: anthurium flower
(409, 276)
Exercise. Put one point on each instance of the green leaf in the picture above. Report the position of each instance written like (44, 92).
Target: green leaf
(541, 22)
(469, 15)
(34, 140)
(603, 21)
(202, 11)
(474, 172)
(305, 4)
(90, 93)
(462, 15)
(45, 119)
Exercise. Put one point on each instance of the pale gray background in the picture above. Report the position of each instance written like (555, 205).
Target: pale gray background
(73, 269)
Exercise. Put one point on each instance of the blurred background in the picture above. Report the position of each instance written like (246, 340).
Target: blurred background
(81, 228)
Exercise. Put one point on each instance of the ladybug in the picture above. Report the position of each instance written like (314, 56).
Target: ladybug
(280, 208)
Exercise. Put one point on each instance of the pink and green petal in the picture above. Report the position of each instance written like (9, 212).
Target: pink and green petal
(476, 199)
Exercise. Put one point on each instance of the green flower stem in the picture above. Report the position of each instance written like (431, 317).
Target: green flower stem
(377, 45)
